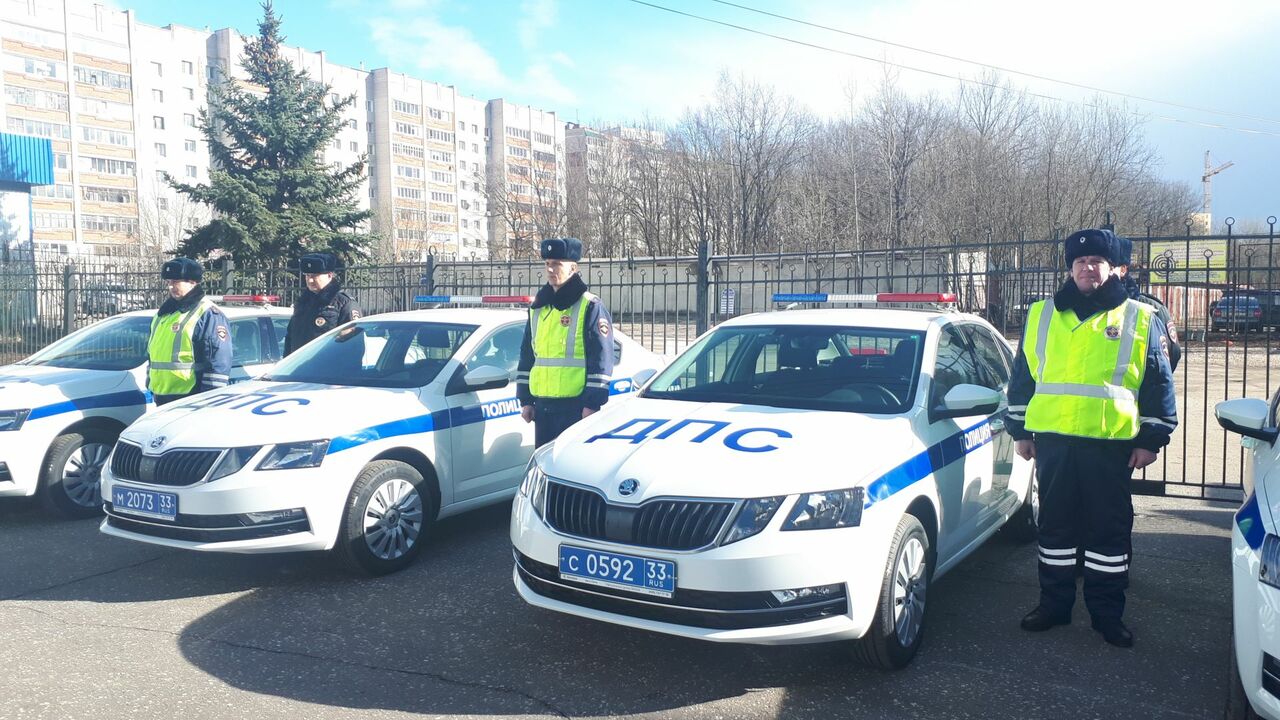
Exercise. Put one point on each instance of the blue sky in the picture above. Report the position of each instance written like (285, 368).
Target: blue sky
(608, 61)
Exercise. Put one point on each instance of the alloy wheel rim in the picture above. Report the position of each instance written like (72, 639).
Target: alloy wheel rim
(393, 519)
(81, 473)
(909, 586)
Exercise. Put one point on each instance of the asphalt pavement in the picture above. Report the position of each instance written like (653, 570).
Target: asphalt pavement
(92, 626)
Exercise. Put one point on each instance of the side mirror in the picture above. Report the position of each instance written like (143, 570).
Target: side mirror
(486, 377)
(639, 379)
(965, 400)
(1247, 416)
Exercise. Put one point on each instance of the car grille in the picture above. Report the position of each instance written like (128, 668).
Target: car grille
(663, 524)
(174, 468)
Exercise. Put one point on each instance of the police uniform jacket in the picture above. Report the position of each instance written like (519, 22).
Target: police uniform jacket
(1157, 409)
(1162, 312)
(315, 314)
(210, 340)
(597, 341)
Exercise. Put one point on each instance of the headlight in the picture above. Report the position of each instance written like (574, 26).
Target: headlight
(752, 517)
(291, 456)
(534, 486)
(233, 461)
(12, 419)
(1269, 568)
(823, 510)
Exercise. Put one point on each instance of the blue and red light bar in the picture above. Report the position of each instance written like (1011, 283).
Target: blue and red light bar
(474, 299)
(882, 298)
(246, 299)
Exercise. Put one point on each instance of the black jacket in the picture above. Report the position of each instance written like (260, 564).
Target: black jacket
(1157, 406)
(597, 343)
(1162, 312)
(315, 314)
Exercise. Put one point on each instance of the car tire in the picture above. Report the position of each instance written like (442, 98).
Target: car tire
(69, 478)
(1024, 526)
(898, 627)
(1238, 706)
(386, 518)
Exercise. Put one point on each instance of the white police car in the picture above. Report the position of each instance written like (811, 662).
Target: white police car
(64, 406)
(358, 442)
(1255, 563)
(792, 477)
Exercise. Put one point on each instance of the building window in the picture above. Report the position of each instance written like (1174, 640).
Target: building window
(407, 171)
(544, 157)
(158, 69)
(188, 67)
(54, 131)
(162, 203)
(442, 177)
(189, 119)
(189, 145)
(462, 145)
(440, 217)
(407, 108)
(355, 146)
(337, 144)
(441, 135)
(157, 122)
(518, 133)
(442, 197)
(408, 129)
(191, 93)
(161, 150)
(157, 95)
(191, 171)
(462, 127)
(475, 148)
(103, 136)
(102, 78)
(435, 114)
(543, 138)
(108, 195)
(407, 150)
(517, 151)
(408, 193)
(109, 224)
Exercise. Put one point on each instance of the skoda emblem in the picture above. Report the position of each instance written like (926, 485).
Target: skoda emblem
(628, 487)
(156, 442)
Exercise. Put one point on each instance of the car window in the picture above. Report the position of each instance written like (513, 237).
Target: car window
(1275, 406)
(955, 365)
(992, 363)
(870, 370)
(501, 349)
(281, 325)
(375, 353)
(118, 343)
(246, 342)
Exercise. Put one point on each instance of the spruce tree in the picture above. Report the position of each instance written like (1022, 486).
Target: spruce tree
(273, 196)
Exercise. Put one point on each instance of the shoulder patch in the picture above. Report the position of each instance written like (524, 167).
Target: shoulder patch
(604, 327)
(1164, 346)
(222, 333)
(355, 314)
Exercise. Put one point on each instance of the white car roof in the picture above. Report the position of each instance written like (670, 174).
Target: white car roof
(232, 311)
(464, 316)
(889, 318)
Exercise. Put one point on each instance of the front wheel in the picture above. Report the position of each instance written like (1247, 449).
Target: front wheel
(898, 627)
(387, 516)
(69, 479)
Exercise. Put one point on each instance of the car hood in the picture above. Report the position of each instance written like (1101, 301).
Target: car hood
(726, 450)
(260, 413)
(34, 386)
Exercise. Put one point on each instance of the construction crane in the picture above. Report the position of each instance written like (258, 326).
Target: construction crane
(1207, 179)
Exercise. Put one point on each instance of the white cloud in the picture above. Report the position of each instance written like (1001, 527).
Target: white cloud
(536, 16)
(541, 79)
(427, 45)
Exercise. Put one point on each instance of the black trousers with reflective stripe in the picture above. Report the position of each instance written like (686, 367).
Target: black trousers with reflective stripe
(1085, 508)
(553, 416)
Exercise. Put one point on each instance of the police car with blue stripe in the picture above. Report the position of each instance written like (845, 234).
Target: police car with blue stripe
(1255, 563)
(357, 442)
(792, 477)
(64, 406)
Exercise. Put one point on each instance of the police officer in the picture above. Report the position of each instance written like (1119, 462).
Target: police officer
(322, 306)
(566, 358)
(190, 346)
(1091, 400)
(1170, 337)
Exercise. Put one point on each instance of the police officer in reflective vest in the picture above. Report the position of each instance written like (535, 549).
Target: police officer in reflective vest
(190, 346)
(566, 357)
(1091, 400)
(322, 306)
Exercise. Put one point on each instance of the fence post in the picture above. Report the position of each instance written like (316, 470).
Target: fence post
(68, 298)
(429, 275)
(704, 286)
(228, 266)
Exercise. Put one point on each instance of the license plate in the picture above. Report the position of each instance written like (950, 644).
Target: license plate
(614, 570)
(153, 504)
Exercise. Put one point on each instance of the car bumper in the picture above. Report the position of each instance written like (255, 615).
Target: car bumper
(21, 456)
(1256, 627)
(247, 512)
(723, 594)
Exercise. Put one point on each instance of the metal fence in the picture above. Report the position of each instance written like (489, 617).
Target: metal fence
(666, 302)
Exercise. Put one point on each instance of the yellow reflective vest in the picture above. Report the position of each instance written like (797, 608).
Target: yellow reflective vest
(171, 351)
(560, 361)
(1087, 373)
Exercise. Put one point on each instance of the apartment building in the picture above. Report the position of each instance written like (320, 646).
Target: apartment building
(526, 177)
(121, 101)
(599, 169)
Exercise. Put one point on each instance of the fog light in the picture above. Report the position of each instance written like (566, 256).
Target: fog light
(274, 516)
(817, 592)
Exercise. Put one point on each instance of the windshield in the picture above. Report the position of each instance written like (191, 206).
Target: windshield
(375, 353)
(867, 370)
(118, 343)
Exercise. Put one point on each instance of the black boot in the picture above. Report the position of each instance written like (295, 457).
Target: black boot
(1039, 620)
(1114, 632)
